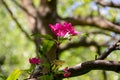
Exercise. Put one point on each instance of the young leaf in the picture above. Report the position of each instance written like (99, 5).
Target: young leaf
(56, 64)
(14, 75)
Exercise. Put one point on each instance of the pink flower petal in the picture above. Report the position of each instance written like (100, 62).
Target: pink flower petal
(61, 30)
(66, 69)
(67, 74)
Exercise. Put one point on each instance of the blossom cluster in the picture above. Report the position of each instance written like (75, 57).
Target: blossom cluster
(63, 30)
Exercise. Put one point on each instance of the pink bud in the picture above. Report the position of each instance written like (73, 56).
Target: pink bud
(67, 74)
(34, 60)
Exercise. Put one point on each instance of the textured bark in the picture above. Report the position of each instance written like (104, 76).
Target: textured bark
(87, 66)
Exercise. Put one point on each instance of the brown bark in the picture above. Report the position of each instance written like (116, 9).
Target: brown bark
(98, 22)
(87, 66)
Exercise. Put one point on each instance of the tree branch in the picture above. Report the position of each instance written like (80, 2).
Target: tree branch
(32, 18)
(84, 43)
(28, 6)
(109, 4)
(98, 64)
(85, 67)
(94, 22)
(104, 75)
(15, 20)
(108, 51)
(47, 8)
(81, 42)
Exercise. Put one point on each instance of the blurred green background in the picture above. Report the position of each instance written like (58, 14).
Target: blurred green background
(17, 49)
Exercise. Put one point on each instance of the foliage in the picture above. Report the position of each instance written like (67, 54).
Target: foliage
(14, 75)
(17, 49)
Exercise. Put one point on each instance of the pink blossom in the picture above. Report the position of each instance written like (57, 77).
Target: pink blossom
(61, 30)
(66, 72)
(66, 69)
(34, 60)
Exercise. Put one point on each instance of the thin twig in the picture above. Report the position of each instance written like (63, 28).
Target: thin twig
(15, 20)
(108, 51)
(108, 4)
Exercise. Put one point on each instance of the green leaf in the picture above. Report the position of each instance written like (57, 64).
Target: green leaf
(43, 36)
(47, 77)
(46, 65)
(32, 67)
(47, 44)
(15, 74)
(56, 64)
